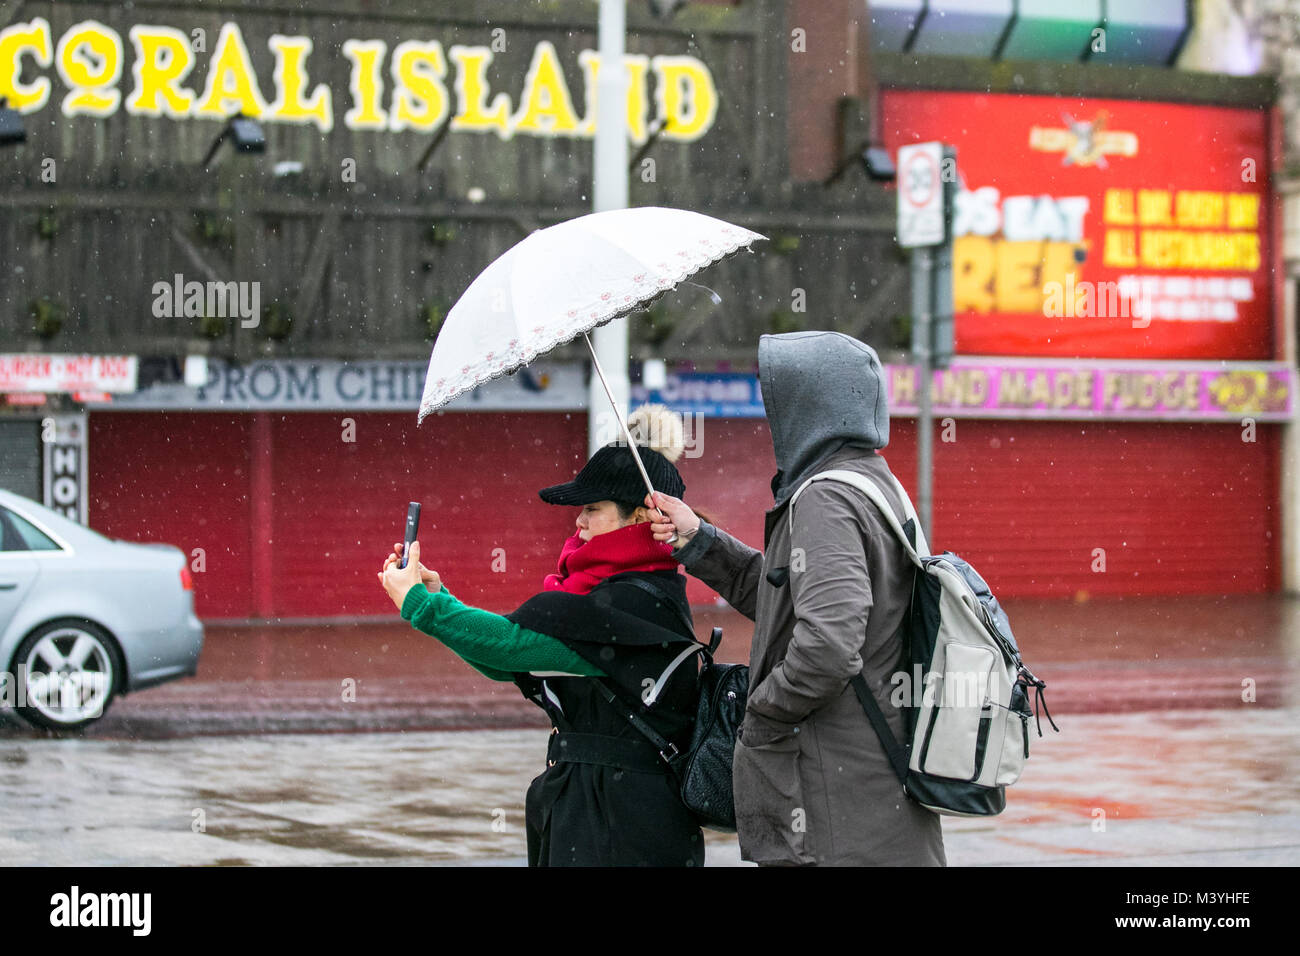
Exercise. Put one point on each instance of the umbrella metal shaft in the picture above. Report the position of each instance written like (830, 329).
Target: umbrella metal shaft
(627, 435)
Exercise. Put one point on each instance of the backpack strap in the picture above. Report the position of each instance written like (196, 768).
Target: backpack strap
(697, 646)
(898, 755)
(649, 586)
(877, 497)
(667, 749)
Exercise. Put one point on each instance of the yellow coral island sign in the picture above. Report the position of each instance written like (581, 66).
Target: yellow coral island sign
(418, 86)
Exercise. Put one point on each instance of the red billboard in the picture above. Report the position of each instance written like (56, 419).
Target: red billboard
(1096, 228)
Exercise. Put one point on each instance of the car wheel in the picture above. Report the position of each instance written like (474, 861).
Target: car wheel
(66, 672)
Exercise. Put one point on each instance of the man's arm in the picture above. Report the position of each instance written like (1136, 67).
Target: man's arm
(832, 597)
(726, 564)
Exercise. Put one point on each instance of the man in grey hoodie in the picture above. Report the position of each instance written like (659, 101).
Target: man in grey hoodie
(827, 596)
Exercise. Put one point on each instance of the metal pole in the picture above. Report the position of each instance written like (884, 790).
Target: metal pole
(924, 260)
(609, 191)
(622, 422)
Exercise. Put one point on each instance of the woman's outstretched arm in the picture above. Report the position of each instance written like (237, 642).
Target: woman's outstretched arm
(494, 646)
(491, 644)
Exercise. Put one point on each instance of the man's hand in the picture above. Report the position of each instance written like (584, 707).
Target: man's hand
(399, 581)
(677, 519)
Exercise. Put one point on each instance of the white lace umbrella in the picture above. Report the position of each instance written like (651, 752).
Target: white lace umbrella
(564, 281)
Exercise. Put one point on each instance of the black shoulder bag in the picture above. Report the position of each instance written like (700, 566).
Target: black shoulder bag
(703, 772)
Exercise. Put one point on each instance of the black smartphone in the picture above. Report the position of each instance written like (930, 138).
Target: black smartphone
(412, 530)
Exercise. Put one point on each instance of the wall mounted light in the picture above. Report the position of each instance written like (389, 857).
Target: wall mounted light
(245, 135)
(654, 374)
(196, 371)
(879, 164)
(664, 9)
(12, 129)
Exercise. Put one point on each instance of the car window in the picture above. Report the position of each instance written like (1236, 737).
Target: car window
(19, 534)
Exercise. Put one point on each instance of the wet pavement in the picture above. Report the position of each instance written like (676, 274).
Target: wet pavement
(1168, 788)
(1164, 757)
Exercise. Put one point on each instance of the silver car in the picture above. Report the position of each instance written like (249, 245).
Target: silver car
(84, 618)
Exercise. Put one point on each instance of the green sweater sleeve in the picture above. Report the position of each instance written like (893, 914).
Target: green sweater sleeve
(495, 647)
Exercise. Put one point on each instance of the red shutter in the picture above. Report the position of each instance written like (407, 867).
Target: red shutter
(1174, 508)
(180, 478)
(731, 481)
(1177, 509)
(339, 506)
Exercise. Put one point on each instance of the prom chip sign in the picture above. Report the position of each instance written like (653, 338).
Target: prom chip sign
(920, 195)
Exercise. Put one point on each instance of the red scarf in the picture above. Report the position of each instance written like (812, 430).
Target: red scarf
(584, 564)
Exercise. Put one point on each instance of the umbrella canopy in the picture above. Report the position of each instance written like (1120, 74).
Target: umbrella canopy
(561, 282)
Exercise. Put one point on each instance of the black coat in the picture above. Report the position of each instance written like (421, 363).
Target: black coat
(623, 809)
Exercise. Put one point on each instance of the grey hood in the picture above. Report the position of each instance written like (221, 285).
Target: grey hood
(821, 391)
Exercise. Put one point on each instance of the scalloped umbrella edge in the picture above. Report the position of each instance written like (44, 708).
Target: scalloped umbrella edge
(516, 356)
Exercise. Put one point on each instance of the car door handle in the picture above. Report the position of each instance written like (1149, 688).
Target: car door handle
(7, 586)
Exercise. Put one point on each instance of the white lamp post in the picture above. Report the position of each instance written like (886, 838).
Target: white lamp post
(609, 191)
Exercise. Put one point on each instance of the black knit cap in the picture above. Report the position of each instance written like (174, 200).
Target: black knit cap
(612, 475)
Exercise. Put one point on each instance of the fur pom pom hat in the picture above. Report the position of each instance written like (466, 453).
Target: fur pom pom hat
(612, 475)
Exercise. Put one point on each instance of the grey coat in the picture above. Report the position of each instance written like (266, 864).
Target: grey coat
(812, 783)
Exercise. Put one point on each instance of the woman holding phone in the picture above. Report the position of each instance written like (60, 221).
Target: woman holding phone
(599, 641)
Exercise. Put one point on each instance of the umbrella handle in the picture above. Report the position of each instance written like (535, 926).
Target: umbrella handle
(623, 425)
